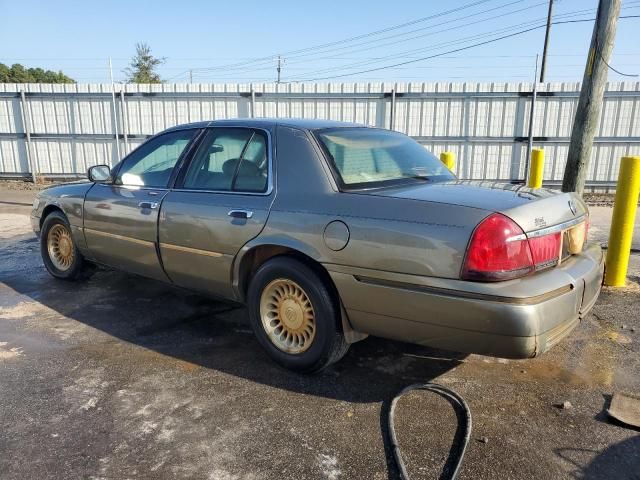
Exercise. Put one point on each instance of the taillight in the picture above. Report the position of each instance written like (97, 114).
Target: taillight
(498, 251)
(545, 250)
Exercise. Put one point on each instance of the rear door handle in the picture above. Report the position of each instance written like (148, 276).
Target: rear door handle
(149, 205)
(240, 214)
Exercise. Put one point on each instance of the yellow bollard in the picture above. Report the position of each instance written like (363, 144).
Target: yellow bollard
(624, 214)
(536, 169)
(449, 159)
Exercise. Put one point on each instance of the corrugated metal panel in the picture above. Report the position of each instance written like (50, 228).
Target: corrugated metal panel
(73, 126)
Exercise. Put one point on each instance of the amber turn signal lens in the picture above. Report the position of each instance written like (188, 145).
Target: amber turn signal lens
(576, 237)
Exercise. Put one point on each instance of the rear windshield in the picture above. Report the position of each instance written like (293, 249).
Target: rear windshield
(369, 157)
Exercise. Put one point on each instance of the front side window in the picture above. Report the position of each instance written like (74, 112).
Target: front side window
(151, 165)
(230, 159)
(369, 157)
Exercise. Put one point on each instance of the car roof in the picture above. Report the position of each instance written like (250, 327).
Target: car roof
(303, 123)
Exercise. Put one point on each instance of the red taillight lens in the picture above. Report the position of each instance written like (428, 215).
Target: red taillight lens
(498, 251)
(545, 250)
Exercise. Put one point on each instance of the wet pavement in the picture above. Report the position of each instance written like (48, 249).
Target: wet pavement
(122, 377)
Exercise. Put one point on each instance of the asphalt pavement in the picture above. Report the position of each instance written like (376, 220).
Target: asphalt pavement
(123, 377)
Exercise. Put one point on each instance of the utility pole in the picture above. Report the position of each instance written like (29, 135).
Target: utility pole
(190, 76)
(546, 42)
(278, 68)
(591, 95)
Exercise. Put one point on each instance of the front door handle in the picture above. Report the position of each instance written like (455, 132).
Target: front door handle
(240, 214)
(148, 205)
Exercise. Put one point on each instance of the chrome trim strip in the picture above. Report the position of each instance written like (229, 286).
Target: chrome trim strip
(153, 191)
(466, 295)
(517, 238)
(230, 192)
(197, 251)
(119, 237)
(557, 228)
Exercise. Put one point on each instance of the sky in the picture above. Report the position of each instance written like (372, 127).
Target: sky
(328, 41)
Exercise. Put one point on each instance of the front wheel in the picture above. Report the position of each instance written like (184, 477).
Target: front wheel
(295, 316)
(60, 255)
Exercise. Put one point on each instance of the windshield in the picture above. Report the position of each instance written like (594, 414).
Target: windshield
(369, 157)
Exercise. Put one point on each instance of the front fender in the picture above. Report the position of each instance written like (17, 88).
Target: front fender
(70, 200)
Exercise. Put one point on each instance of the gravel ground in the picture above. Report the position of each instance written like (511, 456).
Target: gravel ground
(121, 377)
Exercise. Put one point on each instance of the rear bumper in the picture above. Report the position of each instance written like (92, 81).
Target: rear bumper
(515, 319)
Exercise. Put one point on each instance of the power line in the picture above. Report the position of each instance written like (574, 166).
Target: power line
(320, 50)
(304, 58)
(365, 35)
(473, 37)
(453, 42)
(458, 49)
(308, 57)
(317, 48)
(255, 68)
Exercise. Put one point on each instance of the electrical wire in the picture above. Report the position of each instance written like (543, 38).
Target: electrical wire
(503, 37)
(358, 37)
(617, 71)
(466, 427)
(599, 50)
(321, 50)
(309, 57)
(455, 42)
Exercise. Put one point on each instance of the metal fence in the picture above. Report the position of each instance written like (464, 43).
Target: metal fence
(60, 130)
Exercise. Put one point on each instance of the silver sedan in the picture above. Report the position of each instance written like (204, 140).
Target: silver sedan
(329, 232)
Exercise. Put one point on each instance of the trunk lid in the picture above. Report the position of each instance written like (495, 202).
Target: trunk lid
(532, 209)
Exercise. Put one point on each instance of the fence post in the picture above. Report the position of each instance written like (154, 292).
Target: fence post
(125, 121)
(115, 123)
(624, 214)
(392, 120)
(26, 125)
(253, 102)
(536, 171)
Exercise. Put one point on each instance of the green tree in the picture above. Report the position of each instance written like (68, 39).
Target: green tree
(143, 65)
(19, 74)
(4, 73)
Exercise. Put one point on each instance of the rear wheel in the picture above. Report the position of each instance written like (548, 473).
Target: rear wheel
(295, 316)
(60, 255)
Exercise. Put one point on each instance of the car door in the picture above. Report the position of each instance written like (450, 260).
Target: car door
(221, 201)
(121, 218)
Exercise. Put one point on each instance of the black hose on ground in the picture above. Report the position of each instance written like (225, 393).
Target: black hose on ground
(464, 426)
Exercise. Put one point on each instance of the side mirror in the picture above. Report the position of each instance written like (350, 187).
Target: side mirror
(216, 148)
(99, 173)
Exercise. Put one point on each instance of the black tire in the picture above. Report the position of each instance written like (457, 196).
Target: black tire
(328, 344)
(77, 268)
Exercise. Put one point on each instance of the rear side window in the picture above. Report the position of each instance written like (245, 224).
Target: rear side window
(230, 159)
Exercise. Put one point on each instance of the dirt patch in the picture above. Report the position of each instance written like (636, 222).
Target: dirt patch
(25, 184)
(7, 352)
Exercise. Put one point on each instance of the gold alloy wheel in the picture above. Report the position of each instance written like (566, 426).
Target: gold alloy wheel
(60, 247)
(287, 316)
